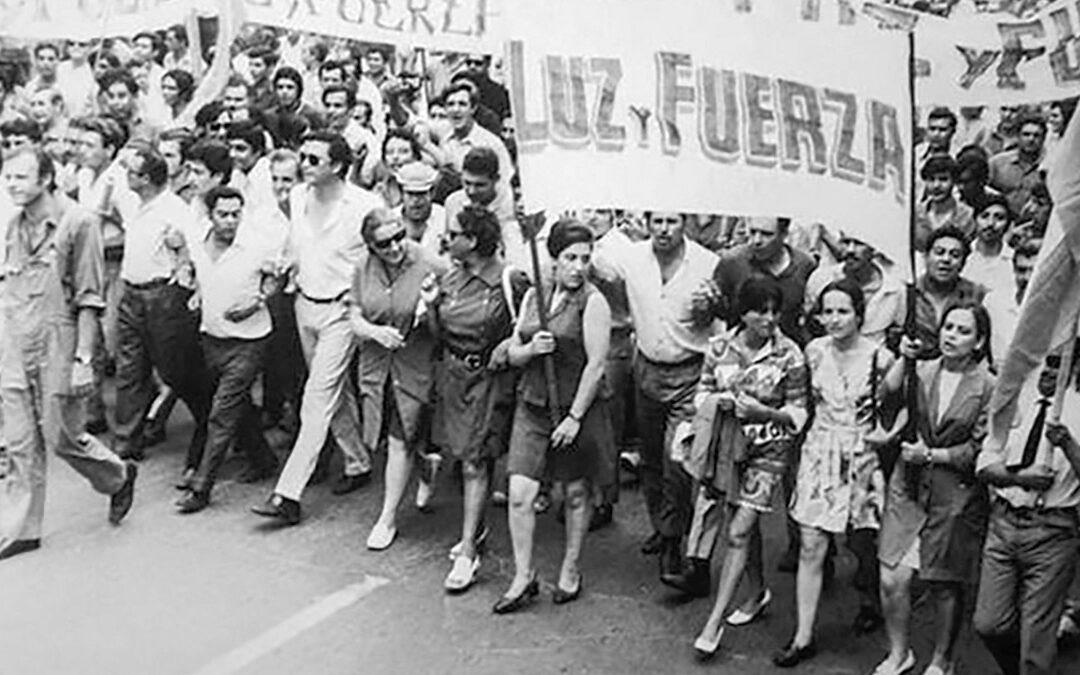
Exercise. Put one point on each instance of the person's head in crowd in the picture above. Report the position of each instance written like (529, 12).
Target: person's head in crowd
(1023, 264)
(441, 128)
(947, 251)
(856, 256)
(177, 87)
(237, 95)
(667, 231)
(28, 174)
(325, 158)
(247, 144)
(46, 59)
(993, 217)
(1008, 116)
(417, 181)
(147, 172)
(767, 237)
(1057, 116)
(19, 133)
(100, 139)
(46, 106)
(473, 235)
(225, 206)
(176, 40)
(477, 65)
(207, 164)
(207, 116)
(314, 54)
(600, 221)
(78, 51)
(480, 175)
(284, 174)
(332, 74)
(972, 172)
(290, 130)
(261, 62)
(338, 101)
(939, 176)
(172, 144)
(940, 129)
(570, 245)
(1032, 127)
(841, 309)
(288, 87)
(8, 80)
(385, 235)
(145, 46)
(964, 334)
(376, 61)
(140, 70)
(120, 93)
(54, 140)
(758, 302)
(101, 62)
(362, 114)
(461, 100)
(399, 148)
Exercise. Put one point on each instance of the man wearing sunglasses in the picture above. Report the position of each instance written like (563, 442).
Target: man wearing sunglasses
(325, 244)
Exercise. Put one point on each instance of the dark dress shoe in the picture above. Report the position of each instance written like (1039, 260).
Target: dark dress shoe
(346, 484)
(286, 511)
(561, 597)
(671, 558)
(867, 621)
(97, 427)
(508, 605)
(653, 545)
(187, 480)
(253, 475)
(193, 501)
(20, 546)
(602, 516)
(791, 656)
(692, 580)
(120, 502)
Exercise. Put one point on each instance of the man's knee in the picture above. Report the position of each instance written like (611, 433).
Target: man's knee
(474, 470)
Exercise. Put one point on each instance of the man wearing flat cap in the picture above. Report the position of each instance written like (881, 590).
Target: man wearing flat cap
(424, 220)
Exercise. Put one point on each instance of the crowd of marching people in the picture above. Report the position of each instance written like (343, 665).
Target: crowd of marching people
(335, 232)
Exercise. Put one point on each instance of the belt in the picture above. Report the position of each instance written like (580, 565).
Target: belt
(1029, 511)
(472, 360)
(688, 361)
(324, 301)
(149, 285)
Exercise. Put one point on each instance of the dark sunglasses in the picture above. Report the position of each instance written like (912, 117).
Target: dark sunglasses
(219, 126)
(310, 159)
(386, 243)
(475, 62)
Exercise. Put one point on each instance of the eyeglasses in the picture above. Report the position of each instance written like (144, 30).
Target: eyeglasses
(219, 126)
(454, 234)
(310, 159)
(474, 62)
(389, 241)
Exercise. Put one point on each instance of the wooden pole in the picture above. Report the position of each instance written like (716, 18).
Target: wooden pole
(531, 226)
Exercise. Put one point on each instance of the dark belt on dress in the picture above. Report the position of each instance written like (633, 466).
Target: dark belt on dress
(688, 361)
(149, 285)
(472, 360)
(324, 301)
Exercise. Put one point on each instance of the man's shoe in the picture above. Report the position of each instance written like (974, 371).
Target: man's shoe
(671, 563)
(187, 480)
(97, 427)
(193, 501)
(285, 511)
(653, 545)
(120, 502)
(20, 546)
(346, 484)
(693, 580)
(602, 516)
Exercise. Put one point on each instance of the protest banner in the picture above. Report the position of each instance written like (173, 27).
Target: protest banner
(454, 25)
(694, 106)
(88, 19)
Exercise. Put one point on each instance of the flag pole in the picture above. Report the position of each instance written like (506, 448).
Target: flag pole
(911, 392)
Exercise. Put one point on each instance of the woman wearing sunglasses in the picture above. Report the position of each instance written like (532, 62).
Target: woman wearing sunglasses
(396, 356)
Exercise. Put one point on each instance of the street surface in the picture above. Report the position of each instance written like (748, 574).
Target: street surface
(217, 593)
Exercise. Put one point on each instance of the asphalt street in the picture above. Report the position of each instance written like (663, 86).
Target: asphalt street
(218, 593)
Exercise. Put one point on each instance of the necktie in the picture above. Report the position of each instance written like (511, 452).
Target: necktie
(1031, 448)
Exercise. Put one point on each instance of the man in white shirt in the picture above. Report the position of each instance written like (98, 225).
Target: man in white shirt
(235, 329)
(664, 278)
(157, 329)
(461, 101)
(425, 221)
(1003, 302)
(990, 262)
(325, 245)
(481, 174)
(1033, 538)
(251, 171)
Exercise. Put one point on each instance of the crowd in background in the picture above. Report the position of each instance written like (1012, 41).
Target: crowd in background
(333, 230)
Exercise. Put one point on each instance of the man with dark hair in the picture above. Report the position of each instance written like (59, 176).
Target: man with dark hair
(234, 287)
(207, 164)
(333, 74)
(251, 172)
(326, 243)
(172, 145)
(19, 133)
(289, 102)
(177, 55)
(338, 101)
(46, 62)
(942, 284)
(491, 94)
(261, 61)
(236, 97)
(1016, 173)
(157, 328)
(52, 286)
(482, 186)
(940, 208)
(461, 102)
(121, 94)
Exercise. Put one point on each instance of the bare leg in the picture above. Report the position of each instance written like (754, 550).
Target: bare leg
(399, 462)
(476, 487)
(949, 618)
(812, 550)
(522, 517)
(739, 535)
(755, 569)
(577, 522)
(896, 604)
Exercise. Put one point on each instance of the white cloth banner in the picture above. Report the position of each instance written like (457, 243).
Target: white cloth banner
(456, 25)
(88, 19)
(998, 59)
(692, 106)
